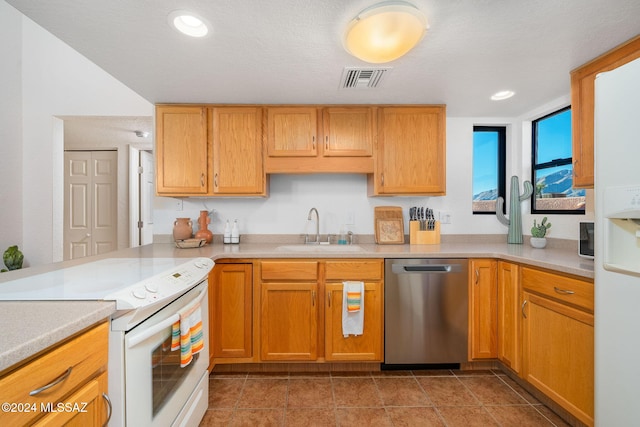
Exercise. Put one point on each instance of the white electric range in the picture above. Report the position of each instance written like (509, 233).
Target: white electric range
(147, 386)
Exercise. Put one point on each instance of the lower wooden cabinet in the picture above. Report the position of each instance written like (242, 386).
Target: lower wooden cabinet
(231, 311)
(295, 323)
(90, 401)
(289, 321)
(509, 340)
(558, 339)
(369, 345)
(483, 325)
(77, 373)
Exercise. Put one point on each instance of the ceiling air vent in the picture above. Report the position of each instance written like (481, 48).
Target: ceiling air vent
(363, 78)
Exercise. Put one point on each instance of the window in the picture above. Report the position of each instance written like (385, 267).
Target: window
(552, 166)
(489, 154)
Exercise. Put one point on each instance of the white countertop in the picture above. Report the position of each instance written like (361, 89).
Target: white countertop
(32, 326)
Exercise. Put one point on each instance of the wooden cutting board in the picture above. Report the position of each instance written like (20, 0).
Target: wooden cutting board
(383, 213)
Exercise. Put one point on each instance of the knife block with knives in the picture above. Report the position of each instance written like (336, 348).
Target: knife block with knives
(423, 228)
(423, 237)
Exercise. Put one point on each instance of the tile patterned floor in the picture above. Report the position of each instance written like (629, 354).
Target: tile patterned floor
(387, 398)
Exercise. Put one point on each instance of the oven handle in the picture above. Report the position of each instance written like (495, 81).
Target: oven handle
(137, 339)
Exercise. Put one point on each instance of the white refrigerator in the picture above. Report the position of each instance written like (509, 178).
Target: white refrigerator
(617, 246)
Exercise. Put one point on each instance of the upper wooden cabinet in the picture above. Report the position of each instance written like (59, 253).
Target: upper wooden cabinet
(182, 151)
(303, 139)
(411, 153)
(205, 151)
(292, 131)
(348, 131)
(583, 104)
(236, 134)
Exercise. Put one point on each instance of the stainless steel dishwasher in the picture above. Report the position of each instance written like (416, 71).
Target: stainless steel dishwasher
(426, 311)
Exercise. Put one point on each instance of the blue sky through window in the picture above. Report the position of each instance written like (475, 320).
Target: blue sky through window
(485, 161)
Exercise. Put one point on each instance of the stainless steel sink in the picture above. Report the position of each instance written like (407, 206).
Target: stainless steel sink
(319, 248)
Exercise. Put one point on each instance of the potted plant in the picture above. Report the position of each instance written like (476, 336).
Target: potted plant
(12, 258)
(538, 233)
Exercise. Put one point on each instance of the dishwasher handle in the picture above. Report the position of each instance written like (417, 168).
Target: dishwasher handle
(424, 268)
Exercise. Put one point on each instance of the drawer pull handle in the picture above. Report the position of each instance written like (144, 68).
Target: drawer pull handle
(313, 298)
(477, 276)
(109, 408)
(563, 291)
(52, 383)
(329, 298)
(523, 313)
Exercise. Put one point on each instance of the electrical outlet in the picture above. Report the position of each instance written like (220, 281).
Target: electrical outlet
(179, 204)
(350, 218)
(445, 217)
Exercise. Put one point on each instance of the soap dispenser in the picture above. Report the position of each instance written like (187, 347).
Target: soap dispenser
(235, 233)
(227, 233)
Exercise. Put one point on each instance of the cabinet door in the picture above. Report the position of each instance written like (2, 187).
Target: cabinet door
(182, 151)
(583, 107)
(237, 151)
(289, 321)
(348, 131)
(85, 408)
(509, 341)
(292, 131)
(411, 151)
(230, 295)
(558, 353)
(365, 347)
(483, 328)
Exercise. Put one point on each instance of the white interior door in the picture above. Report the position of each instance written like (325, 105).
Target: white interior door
(146, 197)
(90, 199)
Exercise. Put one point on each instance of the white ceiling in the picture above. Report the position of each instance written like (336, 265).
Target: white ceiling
(290, 51)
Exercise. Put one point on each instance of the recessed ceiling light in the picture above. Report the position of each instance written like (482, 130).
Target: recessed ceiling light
(188, 23)
(503, 94)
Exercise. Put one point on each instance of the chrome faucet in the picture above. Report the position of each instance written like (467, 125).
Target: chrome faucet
(312, 210)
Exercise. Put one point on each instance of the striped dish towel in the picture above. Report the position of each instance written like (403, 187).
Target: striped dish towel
(354, 298)
(187, 335)
(352, 308)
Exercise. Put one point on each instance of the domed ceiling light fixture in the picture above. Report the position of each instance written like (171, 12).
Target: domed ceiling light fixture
(385, 31)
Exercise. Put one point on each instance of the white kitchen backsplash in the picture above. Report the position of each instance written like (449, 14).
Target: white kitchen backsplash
(336, 197)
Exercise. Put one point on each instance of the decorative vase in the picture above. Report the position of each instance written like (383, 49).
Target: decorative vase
(182, 229)
(204, 232)
(538, 242)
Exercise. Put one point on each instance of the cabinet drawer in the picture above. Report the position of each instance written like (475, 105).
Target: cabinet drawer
(354, 270)
(84, 356)
(567, 289)
(289, 270)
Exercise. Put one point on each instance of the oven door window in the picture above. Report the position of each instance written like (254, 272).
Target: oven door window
(167, 375)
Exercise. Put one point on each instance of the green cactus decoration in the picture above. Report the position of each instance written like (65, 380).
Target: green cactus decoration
(515, 221)
(541, 229)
